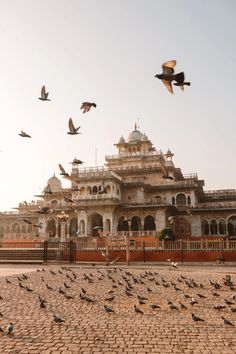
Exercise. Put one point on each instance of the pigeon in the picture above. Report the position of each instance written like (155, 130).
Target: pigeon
(73, 130)
(58, 319)
(48, 190)
(168, 76)
(86, 106)
(227, 322)
(24, 135)
(219, 307)
(137, 310)
(183, 306)
(27, 221)
(8, 281)
(63, 172)
(1, 330)
(195, 318)
(44, 94)
(43, 210)
(10, 328)
(108, 309)
(42, 305)
(154, 306)
(165, 174)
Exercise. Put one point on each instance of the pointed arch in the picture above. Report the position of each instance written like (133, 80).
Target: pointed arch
(149, 223)
(136, 224)
(73, 227)
(205, 227)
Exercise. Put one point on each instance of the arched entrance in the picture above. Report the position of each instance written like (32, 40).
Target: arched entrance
(123, 224)
(149, 223)
(51, 228)
(182, 228)
(135, 223)
(73, 227)
(95, 224)
(205, 227)
(232, 226)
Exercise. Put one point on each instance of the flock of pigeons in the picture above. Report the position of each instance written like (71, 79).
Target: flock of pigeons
(86, 106)
(135, 289)
(167, 76)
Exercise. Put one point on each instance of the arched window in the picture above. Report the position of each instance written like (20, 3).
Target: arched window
(95, 190)
(129, 199)
(135, 223)
(15, 228)
(173, 200)
(54, 203)
(181, 200)
(82, 191)
(89, 190)
(213, 227)
(189, 200)
(51, 228)
(222, 227)
(73, 227)
(205, 227)
(149, 223)
(123, 224)
(158, 199)
(232, 226)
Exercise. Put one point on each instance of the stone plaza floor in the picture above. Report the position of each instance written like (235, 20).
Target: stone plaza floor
(88, 328)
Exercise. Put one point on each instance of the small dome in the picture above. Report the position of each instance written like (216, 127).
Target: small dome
(145, 137)
(122, 140)
(55, 184)
(135, 136)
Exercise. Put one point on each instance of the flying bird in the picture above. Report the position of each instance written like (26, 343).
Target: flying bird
(27, 221)
(73, 130)
(44, 94)
(168, 76)
(86, 106)
(24, 135)
(63, 172)
(165, 174)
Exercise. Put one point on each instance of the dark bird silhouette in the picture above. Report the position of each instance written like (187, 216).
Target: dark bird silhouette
(24, 135)
(108, 309)
(219, 307)
(49, 287)
(165, 175)
(183, 306)
(228, 302)
(42, 305)
(48, 190)
(1, 330)
(86, 106)
(154, 306)
(196, 318)
(137, 310)
(66, 286)
(58, 319)
(63, 172)
(28, 289)
(8, 281)
(27, 221)
(10, 328)
(73, 130)
(44, 94)
(68, 200)
(43, 210)
(69, 296)
(168, 76)
(227, 322)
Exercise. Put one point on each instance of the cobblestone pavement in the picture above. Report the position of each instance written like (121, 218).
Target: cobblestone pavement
(88, 328)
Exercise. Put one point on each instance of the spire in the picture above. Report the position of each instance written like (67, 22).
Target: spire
(135, 126)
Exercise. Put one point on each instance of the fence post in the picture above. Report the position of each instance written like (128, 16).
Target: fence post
(144, 256)
(45, 251)
(182, 250)
(72, 252)
(127, 249)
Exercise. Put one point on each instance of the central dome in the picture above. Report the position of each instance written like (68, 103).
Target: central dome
(55, 184)
(135, 135)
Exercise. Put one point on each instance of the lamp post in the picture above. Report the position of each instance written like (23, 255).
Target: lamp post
(62, 219)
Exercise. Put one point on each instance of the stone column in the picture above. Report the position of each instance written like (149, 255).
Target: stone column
(63, 230)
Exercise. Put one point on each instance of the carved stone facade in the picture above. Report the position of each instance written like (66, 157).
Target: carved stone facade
(136, 191)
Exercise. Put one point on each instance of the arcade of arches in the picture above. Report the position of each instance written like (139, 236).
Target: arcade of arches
(219, 227)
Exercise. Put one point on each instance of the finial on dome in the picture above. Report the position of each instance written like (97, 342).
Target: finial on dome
(135, 126)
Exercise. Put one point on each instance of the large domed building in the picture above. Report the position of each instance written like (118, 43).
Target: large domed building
(136, 191)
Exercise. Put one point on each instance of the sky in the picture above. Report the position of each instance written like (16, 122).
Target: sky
(108, 52)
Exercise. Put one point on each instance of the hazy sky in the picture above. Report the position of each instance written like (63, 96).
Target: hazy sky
(108, 51)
